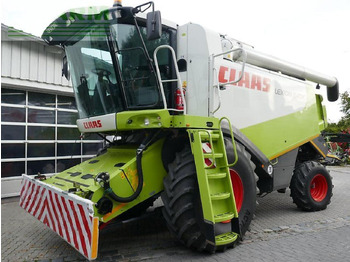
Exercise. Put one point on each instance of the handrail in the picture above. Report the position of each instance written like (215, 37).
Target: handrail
(243, 53)
(178, 79)
(218, 88)
(233, 141)
(213, 69)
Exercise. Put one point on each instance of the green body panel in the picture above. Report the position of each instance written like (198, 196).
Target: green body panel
(113, 161)
(160, 118)
(189, 121)
(135, 120)
(322, 114)
(120, 162)
(288, 133)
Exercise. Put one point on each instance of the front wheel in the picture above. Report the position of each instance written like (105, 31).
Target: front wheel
(182, 205)
(311, 186)
(244, 184)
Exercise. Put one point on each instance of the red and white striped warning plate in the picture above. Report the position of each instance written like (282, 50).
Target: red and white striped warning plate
(68, 215)
(206, 147)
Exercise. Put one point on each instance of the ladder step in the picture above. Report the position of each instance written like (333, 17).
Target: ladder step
(216, 175)
(225, 238)
(205, 136)
(223, 217)
(216, 155)
(220, 196)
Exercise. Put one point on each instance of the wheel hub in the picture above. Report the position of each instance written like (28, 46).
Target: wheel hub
(318, 188)
(238, 189)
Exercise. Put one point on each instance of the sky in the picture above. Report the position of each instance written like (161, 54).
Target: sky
(311, 33)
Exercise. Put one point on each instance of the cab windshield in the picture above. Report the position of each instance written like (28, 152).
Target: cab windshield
(111, 71)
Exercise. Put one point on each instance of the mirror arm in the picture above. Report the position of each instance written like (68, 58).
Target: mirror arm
(137, 9)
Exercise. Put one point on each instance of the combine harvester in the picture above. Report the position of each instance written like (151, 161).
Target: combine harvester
(196, 117)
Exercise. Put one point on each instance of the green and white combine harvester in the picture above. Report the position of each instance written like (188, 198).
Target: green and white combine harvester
(192, 116)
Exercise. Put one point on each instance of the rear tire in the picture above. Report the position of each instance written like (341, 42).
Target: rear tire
(311, 186)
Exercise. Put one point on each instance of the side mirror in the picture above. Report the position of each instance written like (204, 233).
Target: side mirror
(65, 68)
(154, 25)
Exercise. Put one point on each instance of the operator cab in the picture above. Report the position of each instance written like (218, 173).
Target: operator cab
(109, 56)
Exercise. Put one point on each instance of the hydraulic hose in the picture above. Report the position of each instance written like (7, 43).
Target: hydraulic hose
(104, 178)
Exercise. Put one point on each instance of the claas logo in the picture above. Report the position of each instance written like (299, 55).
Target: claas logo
(92, 124)
(249, 80)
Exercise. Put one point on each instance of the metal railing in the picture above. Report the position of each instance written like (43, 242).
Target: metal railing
(178, 79)
(243, 55)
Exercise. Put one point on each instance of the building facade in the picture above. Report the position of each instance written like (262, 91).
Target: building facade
(38, 112)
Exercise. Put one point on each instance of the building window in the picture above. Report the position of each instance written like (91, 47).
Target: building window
(41, 116)
(43, 100)
(39, 134)
(10, 169)
(15, 97)
(12, 132)
(13, 114)
(12, 150)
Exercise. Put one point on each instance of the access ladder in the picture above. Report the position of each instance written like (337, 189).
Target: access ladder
(218, 202)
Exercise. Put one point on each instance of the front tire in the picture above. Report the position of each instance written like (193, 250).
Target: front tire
(311, 186)
(182, 205)
(244, 183)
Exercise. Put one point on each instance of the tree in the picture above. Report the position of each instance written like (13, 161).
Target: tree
(345, 107)
(344, 123)
(343, 126)
(333, 128)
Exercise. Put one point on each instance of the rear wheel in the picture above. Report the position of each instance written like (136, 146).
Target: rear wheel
(311, 186)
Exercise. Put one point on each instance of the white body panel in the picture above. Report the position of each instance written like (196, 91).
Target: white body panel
(260, 96)
(276, 112)
(97, 124)
(195, 45)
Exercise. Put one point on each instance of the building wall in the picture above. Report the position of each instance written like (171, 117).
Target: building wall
(29, 58)
(38, 112)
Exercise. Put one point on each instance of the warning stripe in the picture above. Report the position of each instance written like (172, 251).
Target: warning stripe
(39, 204)
(23, 186)
(71, 225)
(82, 246)
(34, 204)
(55, 215)
(206, 147)
(29, 193)
(61, 217)
(68, 215)
(85, 223)
(65, 216)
